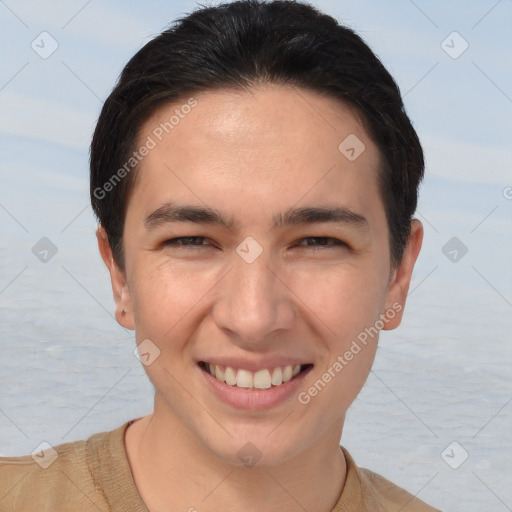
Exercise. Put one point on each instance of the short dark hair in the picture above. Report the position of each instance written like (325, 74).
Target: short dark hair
(239, 45)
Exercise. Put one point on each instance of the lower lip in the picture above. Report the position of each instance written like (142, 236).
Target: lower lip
(251, 399)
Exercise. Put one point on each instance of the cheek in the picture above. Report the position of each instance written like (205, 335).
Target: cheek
(339, 300)
(348, 304)
(162, 297)
(346, 299)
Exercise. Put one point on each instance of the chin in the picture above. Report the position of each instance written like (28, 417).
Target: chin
(255, 449)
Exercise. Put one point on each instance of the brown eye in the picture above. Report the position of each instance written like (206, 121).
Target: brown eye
(322, 242)
(188, 241)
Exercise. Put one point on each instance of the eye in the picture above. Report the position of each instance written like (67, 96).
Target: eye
(321, 242)
(188, 241)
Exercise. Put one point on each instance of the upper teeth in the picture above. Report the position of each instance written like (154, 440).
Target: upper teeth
(262, 379)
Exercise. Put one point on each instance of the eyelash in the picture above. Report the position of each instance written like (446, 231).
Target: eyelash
(337, 243)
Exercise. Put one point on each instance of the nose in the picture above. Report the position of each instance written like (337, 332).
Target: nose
(254, 304)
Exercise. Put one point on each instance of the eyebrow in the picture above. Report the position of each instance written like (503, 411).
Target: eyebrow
(173, 213)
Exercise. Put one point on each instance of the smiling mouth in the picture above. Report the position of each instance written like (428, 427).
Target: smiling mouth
(265, 378)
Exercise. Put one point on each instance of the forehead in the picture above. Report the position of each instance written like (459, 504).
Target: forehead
(260, 147)
(267, 115)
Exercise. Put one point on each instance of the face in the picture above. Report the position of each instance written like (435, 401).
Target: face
(288, 265)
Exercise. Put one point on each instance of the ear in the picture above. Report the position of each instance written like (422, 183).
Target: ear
(122, 297)
(400, 278)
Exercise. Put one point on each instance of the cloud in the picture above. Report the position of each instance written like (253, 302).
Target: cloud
(462, 161)
(45, 120)
(92, 21)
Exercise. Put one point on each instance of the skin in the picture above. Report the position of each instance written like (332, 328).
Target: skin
(252, 154)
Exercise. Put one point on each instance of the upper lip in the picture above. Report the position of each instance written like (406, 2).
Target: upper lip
(253, 365)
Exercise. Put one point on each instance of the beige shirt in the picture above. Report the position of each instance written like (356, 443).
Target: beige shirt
(94, 475)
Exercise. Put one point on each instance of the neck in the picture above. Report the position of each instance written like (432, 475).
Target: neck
(170, 465)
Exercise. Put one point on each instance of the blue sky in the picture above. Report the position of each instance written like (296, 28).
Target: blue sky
(450, 358)
(461, 108)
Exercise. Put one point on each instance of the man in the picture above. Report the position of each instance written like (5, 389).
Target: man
(254, 175)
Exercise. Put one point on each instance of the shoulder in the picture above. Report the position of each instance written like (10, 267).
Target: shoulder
(56, 478)
(378, 493)
(391, 495)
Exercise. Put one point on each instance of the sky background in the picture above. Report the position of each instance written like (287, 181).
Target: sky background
(443, 376)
